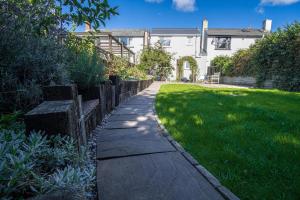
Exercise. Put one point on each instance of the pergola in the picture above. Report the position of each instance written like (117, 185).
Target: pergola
(109, 45)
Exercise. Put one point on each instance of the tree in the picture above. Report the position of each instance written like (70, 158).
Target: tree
(49, 16)
(156, 61)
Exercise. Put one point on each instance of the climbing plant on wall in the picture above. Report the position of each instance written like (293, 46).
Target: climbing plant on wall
(193, 67)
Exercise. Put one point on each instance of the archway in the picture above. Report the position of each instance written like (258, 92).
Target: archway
(187, 61)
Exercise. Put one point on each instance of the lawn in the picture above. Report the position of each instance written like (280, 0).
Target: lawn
(248, 138)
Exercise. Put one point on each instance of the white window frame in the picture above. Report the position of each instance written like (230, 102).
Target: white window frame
(165, 41)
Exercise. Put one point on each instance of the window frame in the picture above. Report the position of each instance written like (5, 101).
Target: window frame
(228, 46)
(128, 40)
(162, 39)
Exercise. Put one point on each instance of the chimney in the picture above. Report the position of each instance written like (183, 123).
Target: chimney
(146, 39)
(203, 33)
(267, 25)
(88, 27)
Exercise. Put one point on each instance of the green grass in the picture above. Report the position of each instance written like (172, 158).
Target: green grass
(248, 138)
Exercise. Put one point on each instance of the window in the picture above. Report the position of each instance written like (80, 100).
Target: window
(223, 43)
(166, 42)
(186, 65)
(125, 40)
(189, 40)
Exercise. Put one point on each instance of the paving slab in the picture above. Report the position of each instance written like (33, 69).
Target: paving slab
(130, 124)
(121, 134)
(164, 176)
(136, 162)
(131, 143)
(141, 111)
(131, 117)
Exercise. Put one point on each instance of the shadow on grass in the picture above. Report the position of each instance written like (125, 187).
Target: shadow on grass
(250, 139)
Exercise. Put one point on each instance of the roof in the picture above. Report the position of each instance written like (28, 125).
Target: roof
(126, 32)
(175, 31)
(246, 32)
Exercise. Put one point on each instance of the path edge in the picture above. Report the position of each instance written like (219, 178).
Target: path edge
(225, 192)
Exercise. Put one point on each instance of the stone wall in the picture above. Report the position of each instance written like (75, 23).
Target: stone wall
(76, 112)
(247, 81)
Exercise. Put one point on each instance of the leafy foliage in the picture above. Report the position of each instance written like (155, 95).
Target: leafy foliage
(82, 11)
(156, 61)
(277, 57)
(193, 67)
(121, 67)
(86, 63)
(37, 165)
(223, 64)
(243, 63)
(27, 60)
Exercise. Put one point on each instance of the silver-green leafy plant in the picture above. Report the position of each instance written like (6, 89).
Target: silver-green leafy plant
(36, 164)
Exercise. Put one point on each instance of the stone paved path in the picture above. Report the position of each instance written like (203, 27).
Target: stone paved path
(136, 162)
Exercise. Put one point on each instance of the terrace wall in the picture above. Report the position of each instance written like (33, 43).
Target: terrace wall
(68, 110)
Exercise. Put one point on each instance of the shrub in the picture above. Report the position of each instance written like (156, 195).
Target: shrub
(28, 59)
(86, 64)
(277, 57)
(223, 64)
(156, 61)
(242, 63)
(121, 67)
(37, 165)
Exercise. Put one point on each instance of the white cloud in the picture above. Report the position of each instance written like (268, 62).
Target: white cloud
(278, 2)
(154, 1)
(185, 5)
(260, 10)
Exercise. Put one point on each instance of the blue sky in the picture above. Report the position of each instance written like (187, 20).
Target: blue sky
(189, 13)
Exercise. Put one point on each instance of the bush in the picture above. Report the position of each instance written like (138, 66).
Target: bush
(156, 61)
(28, 59)
(242, 63)
(277, 57)
(86, 64)
(36, 165)
(121, 67)
(223, 64)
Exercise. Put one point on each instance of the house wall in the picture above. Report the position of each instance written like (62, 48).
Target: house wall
(237, 43)
(180, 47)
(137, 45)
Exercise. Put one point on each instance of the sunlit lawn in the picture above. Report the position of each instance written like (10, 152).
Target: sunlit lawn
(248, 138)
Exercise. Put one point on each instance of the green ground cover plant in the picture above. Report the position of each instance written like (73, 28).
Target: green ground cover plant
(36, 165)
(248, 138)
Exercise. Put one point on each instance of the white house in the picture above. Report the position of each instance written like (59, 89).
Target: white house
(135, 39)
(227, 41)
(179, 42)
(203, 45)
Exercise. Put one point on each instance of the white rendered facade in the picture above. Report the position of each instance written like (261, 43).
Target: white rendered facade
(180, 45)
(203, 45)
